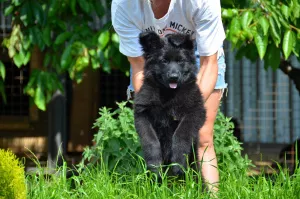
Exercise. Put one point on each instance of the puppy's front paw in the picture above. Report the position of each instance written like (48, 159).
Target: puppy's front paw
(177, 170)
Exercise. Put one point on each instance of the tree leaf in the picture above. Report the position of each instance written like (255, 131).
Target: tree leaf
(53, 8)
(284, 22)
(99, 9)
(296, 49)
(246, 19)
(285, 11)
(2, 91)
(18, 59)
(2, 70)
(29, 88)
(47, 60)
(38, 12)
(95, 62)
(272, 57)
(103, 39)
(296, 10)
(8, 10)
(26, 14)
(36, 37)
(66, 57)
(27, 58)
(115, 38)
(276, 18)
(62, 38)
(249, 51)
(85, 6)
(275, 32)
(73, 6)
(26, 43)
(39, 98)
(235, 27)
(47, 35)
(16, 2)
(289, 40)
(261, 42)
(263, 23)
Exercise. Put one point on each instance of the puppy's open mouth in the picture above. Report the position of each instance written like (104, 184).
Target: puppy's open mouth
(173, 85)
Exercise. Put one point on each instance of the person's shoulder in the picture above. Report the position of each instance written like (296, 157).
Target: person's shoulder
(196, 3)
(126, 6)
(199, 6)
(127, 3)
(193, 5)
(202, 3)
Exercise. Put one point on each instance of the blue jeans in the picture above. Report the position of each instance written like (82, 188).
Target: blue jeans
(220, 84)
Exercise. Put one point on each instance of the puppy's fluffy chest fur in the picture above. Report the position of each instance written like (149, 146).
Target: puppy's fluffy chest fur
(164, 106)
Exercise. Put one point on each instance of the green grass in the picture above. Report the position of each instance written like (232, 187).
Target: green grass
(99, 183)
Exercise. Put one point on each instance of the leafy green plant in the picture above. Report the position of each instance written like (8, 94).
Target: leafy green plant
(65, 33)
(117, 141)
(12, 177)
(228, 148)
(265, 29)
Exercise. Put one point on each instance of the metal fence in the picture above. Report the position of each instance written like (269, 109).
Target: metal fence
(5, 22)
(265, 102)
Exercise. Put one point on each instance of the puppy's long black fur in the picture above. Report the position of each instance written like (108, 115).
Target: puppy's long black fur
(169, 108)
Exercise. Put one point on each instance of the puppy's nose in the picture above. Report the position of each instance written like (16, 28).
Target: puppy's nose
(173, 77)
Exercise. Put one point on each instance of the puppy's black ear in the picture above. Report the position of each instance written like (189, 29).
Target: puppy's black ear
(150, 41)
(181, 41)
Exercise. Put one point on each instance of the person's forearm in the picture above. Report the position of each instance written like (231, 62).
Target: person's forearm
(137, 65)
(207, 77)
(137, 80)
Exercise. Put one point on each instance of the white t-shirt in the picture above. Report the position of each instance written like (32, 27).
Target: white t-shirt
(199, 18)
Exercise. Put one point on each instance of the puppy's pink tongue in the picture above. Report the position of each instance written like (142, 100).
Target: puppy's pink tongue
(173, 85)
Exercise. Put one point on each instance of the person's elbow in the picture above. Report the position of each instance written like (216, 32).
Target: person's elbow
(137, 63)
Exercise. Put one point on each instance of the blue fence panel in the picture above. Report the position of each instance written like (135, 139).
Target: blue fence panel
(295, 105)
(265, 102)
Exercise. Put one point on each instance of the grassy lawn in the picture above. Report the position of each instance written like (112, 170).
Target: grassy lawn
(117, 140)
(99, 183)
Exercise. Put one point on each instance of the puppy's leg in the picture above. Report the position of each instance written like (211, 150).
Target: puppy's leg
(150, 143)
(183, 138)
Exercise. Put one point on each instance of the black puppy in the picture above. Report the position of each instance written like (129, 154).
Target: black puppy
(168, 109)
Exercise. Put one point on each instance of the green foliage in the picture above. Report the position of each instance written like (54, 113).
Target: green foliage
(228, 149)
(264, 29)
(117, 142)
(2, 78)
(63, 32)
(12, 178)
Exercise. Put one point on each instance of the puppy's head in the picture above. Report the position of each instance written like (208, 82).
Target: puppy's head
(170, 60)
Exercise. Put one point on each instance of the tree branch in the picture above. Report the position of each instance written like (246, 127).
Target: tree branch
(293, 72)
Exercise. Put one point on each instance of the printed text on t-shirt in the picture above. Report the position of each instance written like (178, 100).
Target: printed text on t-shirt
(173, 27)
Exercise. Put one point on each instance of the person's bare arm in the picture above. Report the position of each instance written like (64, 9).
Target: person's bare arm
(137, 65)
(208, 74)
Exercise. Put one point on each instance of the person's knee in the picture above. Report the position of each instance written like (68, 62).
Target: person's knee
(206, 144)
(206, 139)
